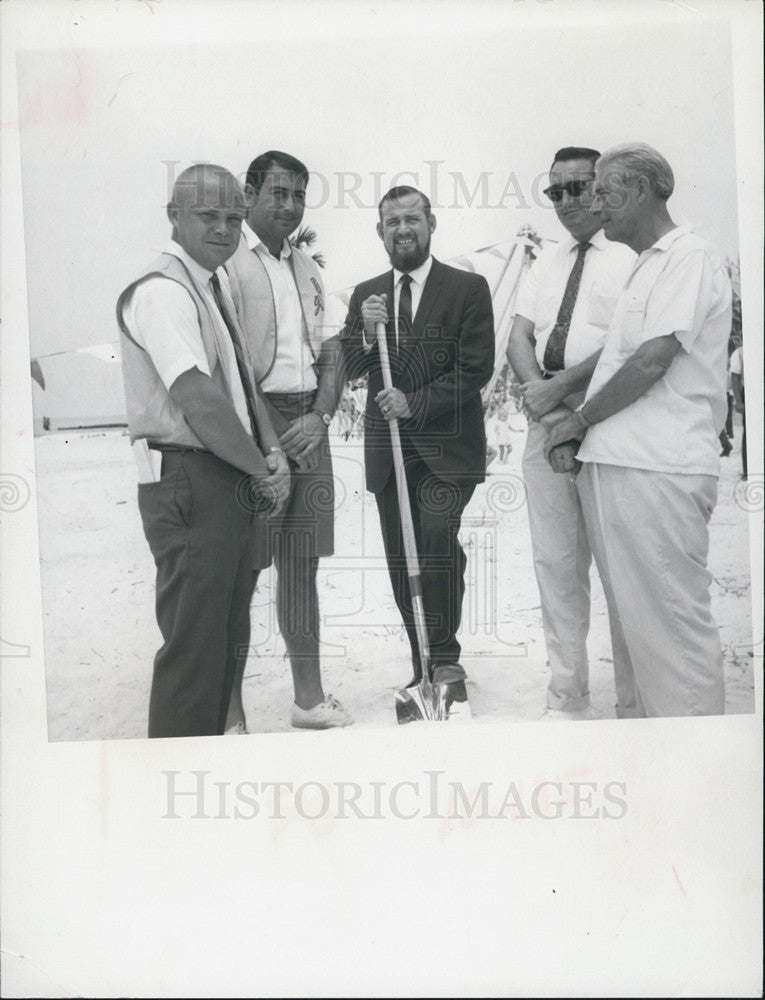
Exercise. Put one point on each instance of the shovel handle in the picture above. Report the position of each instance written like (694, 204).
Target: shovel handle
(405, 511)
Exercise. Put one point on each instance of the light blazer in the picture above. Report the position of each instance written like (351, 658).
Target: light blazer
(441, 368)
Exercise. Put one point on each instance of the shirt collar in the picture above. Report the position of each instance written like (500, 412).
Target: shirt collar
(669, 238)
(420, 274)
(597, 240)
(199, 273)
(254, 242)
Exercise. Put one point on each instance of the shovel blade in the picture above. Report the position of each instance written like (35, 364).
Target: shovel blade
(409, 706)
(419, 703)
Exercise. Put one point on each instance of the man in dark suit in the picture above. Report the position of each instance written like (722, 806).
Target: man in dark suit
(440, 336)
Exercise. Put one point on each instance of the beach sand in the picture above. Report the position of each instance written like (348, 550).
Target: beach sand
(101, 633)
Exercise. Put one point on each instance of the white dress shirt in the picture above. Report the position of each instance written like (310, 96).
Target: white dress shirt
(606, 268)
(162, 318)
(419, 276)
(678, 286)
(293, 368)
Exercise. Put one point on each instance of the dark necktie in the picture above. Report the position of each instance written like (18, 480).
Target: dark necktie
(238, 352)
(405, 309)
(556, 342)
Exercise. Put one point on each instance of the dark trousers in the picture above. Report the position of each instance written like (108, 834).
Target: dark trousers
(201, 536)
(437, 506)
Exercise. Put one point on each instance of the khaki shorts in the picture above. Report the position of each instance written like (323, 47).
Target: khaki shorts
(305, 524)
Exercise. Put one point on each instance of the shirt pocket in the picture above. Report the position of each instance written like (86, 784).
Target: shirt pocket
(601, 305)
(632, 325)
(183, 496)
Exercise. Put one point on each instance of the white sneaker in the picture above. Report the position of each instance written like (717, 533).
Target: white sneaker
(557, 715)
(328, 714)
(238, 730)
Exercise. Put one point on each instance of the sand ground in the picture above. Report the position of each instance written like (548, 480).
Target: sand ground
(101, 633)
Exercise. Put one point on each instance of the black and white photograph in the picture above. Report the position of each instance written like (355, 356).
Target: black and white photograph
(382, 541)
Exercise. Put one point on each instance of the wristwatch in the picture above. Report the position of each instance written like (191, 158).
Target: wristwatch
(324, 416)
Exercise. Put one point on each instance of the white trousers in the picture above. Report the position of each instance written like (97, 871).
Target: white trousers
(650, 537)
(562, 558)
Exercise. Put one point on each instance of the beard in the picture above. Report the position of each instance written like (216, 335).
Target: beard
(409, 258)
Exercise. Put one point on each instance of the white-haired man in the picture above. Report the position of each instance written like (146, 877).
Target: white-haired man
(650, 452)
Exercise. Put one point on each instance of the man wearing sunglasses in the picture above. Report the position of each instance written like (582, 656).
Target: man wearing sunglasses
(562, 315)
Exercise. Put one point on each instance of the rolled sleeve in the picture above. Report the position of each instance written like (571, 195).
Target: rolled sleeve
(162, 319)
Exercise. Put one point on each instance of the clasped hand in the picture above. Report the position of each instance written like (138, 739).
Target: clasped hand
(272, 490)
(541, 396)
(562, 458)
(393, 404)
(573, 428)
(302, 439)
(374, 310)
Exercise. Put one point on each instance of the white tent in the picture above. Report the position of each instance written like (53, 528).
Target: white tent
(83, 387)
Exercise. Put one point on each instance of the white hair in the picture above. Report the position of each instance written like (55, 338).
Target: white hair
(634, 159)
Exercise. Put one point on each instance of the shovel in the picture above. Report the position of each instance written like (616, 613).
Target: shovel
(422, 701)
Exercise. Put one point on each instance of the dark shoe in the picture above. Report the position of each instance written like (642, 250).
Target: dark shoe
(452, 701)
(450, 678)
(456, 691)
(448, 673)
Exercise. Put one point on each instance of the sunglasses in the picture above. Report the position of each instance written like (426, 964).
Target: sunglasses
(574, 189)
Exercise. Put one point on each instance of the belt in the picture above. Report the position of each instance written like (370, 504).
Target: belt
(177, 447)
(290, 397)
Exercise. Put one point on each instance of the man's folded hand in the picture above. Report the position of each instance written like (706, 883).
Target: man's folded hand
(563, 458)
(264, 496)
(573, 428)
(540, 396)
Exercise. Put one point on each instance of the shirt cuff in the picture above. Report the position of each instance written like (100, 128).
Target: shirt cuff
(583, 416)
